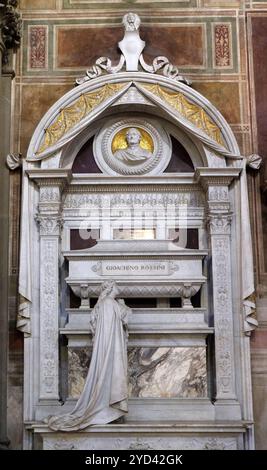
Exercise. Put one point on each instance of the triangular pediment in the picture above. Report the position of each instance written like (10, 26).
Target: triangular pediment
(80, 107)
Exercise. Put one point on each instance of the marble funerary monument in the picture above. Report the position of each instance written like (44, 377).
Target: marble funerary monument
(134, 177)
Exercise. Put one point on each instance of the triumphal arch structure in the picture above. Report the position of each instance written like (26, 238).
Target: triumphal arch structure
(135, 177)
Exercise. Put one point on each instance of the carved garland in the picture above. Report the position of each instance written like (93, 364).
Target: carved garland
(190, 111)
(73, 114)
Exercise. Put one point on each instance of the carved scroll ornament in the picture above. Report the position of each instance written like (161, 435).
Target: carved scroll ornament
(131, 58)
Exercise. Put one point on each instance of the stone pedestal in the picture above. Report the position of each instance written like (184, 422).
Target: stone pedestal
(219, 436)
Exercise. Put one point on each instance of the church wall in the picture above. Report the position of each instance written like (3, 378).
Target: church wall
(257, 37)
(209, 40)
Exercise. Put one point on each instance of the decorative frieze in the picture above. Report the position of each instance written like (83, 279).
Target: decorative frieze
(49, 194)
(218, 194)
(133, 200)
(141, 442)
(147, 289)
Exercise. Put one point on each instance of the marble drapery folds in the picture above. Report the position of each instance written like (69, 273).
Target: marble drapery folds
(104, 397)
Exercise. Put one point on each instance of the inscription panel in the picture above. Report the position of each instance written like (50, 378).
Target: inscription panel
(136, 268)
(131, 268)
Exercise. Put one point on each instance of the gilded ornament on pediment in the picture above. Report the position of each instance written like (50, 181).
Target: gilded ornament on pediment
(193, 113)
(72, 115)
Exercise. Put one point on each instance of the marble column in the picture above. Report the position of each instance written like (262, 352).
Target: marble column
(219, 217)
(51, 184)
(50, 227)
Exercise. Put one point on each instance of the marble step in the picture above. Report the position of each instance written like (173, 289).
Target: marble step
(192, 428)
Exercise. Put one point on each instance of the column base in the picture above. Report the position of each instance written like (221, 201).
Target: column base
(227, 410)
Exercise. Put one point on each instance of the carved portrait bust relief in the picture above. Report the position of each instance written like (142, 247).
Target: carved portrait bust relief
(133, 146)
(134, 153)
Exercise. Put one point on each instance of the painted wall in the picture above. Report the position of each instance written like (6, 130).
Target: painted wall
(219, 44)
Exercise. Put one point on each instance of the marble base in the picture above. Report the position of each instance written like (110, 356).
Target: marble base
(217, 436)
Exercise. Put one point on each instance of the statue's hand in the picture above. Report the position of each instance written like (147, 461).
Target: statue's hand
(124, 311)
(92, 323)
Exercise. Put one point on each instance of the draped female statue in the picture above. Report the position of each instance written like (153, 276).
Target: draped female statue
(104, 397)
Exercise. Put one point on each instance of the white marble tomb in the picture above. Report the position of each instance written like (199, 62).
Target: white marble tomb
(189, 379)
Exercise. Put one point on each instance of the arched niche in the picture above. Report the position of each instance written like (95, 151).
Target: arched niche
(195, 152)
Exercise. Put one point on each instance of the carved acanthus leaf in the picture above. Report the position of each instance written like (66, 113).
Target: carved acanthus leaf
(219, 223)
(49, 225)
(10, 26)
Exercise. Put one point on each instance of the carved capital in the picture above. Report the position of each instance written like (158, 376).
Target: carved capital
(219, 223)
(10, 27)
(49, 225)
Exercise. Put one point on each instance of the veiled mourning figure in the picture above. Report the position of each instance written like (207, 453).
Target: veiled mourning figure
(104, 397)
(134, 153)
